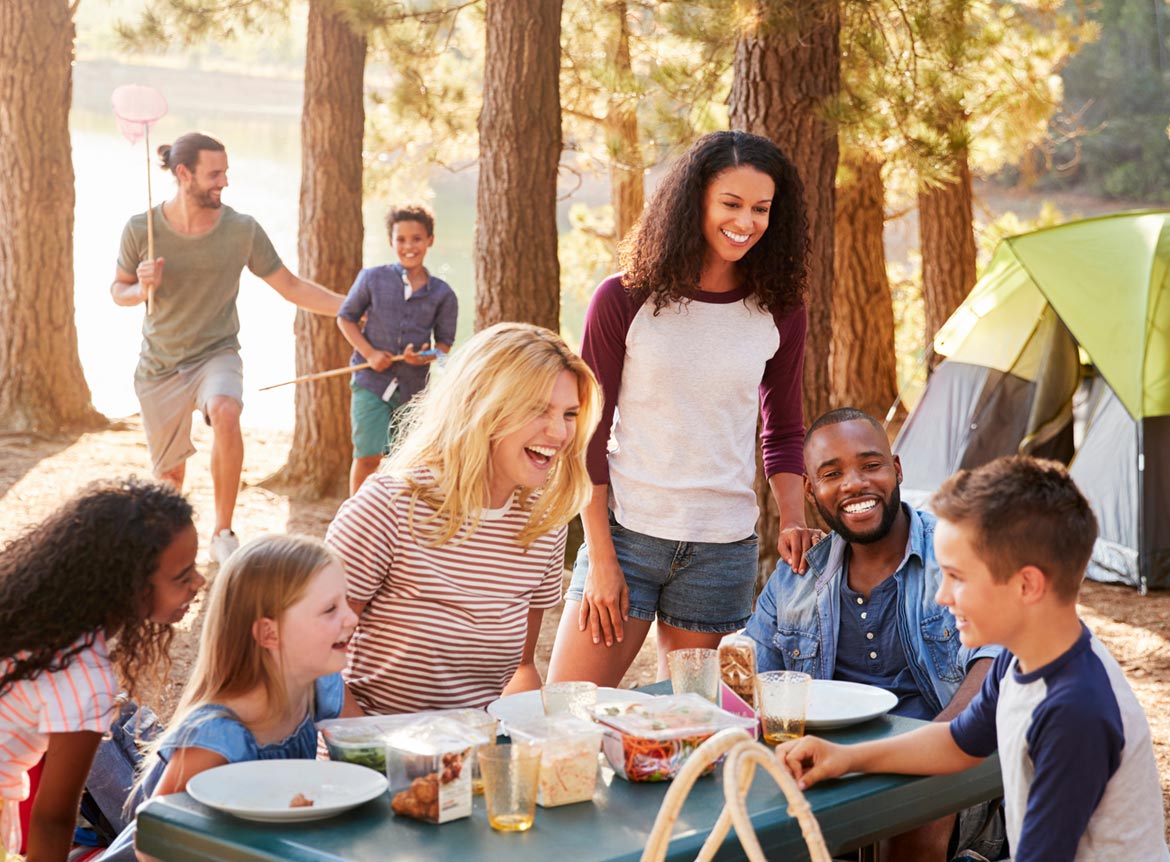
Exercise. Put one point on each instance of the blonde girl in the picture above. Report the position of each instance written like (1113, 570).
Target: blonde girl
(455, 548)
(270, 656)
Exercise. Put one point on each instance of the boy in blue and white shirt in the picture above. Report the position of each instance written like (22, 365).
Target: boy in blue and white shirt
(1080, 781)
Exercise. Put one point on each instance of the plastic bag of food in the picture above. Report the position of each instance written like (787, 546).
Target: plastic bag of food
(737, 666)
(651, 740)
(568, 759)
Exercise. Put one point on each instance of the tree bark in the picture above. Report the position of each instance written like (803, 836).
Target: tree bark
(862, 359)
(42, 386)
(517, 275)
(785, 72)
(626, 190)
(947, 237)
(329, 245)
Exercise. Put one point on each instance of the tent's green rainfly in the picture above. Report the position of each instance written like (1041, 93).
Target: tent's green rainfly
(1085, 298)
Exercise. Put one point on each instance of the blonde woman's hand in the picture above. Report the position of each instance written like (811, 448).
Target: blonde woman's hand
(795, 541)
(605, 606)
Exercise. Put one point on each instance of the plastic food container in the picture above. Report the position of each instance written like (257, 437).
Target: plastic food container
(362, 740)
(651, 741)
(737, 666)
(428, 764)
(568, 759)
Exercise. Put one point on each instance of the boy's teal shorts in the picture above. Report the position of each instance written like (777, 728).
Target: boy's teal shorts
(370, 419)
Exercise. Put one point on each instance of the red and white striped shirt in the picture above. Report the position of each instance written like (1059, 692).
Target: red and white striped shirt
(443, 627)
(79, 697)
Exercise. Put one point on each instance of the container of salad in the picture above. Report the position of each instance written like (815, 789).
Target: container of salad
(651, 741)
(568, 759)
(362, 740)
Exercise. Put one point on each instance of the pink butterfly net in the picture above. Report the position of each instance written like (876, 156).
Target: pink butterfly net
(136, 108)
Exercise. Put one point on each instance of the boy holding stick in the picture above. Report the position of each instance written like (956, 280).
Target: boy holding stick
(404, 306)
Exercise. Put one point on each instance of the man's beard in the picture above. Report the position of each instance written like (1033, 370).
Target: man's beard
(204, 199)
(889, 514)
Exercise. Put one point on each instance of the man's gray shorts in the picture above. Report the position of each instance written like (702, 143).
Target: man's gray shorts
(168, 402)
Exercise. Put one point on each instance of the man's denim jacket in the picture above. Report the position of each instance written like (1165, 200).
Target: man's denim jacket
(797, 617)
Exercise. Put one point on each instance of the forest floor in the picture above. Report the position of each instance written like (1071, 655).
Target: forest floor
(37, 474)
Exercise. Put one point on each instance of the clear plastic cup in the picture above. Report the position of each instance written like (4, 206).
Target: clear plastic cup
(510, 779)
(695, 670)
(569, 698)
(782, 700)
(485, 725)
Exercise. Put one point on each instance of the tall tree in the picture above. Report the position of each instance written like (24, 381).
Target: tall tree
(862, 361)
(627, 191)
(42, 388)
(329, 242)
(517, 275)
(786, 76)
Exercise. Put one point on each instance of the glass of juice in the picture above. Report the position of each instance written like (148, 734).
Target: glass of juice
(511, 776)
(782, 700)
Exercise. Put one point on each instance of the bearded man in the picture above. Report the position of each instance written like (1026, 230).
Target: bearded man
(864, 611)
(190, 356)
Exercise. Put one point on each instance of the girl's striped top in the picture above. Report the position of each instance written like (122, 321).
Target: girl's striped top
(80, 697)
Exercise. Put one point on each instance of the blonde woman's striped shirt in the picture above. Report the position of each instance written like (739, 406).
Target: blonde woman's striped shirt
(443, 627)
(81, 697)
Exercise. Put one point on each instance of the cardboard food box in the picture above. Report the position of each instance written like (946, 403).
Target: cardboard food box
(428, 764)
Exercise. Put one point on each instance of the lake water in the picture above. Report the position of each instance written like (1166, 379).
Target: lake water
(259, 121)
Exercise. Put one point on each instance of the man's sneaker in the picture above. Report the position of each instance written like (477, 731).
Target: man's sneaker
(223, 545)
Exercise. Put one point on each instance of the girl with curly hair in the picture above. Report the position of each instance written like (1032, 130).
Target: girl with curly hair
(88, 599)
(454, 550)
(702, 331)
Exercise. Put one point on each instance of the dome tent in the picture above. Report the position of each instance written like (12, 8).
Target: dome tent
(1095, 291)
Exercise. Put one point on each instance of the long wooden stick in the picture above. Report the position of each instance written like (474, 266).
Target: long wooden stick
(149, 224)
(321, 375)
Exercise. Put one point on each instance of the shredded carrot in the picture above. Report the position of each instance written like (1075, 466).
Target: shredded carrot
(657, 759)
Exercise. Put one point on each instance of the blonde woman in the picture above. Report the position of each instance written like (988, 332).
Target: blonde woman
(270, 656)
(455, 548)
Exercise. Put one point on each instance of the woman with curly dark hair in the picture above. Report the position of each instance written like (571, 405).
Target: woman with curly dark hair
(87, 601)
(703, 330)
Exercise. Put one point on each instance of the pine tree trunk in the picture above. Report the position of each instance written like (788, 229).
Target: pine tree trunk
(329, 246)
(627, 193)
(862, 360)
(946, 234)
(42, 387)
(785, 71)
(517, 276)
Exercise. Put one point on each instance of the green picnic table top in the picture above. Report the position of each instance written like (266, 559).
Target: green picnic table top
(852, 812)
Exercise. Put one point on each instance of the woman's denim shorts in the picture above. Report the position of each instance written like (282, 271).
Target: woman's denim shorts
(695, 586)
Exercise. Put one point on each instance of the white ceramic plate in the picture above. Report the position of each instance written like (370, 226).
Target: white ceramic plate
(832, 703)
(527, 705)
(262, 789)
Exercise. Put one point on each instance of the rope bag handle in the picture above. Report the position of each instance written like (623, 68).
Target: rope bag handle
(743, 756)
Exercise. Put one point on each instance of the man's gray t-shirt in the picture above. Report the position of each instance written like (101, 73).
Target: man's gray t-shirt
(195, 304)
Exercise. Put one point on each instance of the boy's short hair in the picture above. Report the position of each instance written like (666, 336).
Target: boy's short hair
(1023, 511)
(411, 212)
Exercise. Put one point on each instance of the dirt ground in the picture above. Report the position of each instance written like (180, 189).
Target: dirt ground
(36, 474)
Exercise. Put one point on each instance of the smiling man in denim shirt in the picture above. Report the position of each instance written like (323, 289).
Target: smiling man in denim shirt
(865, 610)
